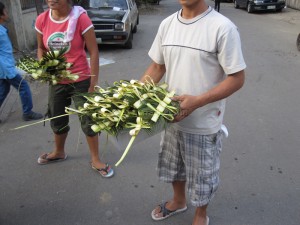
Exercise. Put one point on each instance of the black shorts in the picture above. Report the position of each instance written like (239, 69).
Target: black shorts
(61, 96)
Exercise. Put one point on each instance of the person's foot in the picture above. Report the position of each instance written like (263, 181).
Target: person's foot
(51, 158)
(32, 116)
(105, 171)
(167, 209)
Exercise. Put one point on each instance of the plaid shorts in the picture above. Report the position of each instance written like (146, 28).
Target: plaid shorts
(192, 158)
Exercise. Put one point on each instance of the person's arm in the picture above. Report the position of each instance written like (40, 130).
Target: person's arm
(40, 45)
(227, 87)
(92, 47)
(155, 72)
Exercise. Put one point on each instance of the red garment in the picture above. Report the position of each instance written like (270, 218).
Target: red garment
(53, 35)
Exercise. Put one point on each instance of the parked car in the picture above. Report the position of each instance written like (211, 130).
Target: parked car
(114, 21)
(260, 5)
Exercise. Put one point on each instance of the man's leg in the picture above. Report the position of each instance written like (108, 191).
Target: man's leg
(178, 201)
(4, 90)
(203, 164)
(93, 143)
(58, 99)
(58, 154)
(200, 216)
(59, 149)
(24, 92)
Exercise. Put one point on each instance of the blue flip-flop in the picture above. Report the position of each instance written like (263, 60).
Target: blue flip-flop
(109, 172)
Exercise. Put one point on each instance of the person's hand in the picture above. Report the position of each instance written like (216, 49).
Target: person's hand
(92, 87)
(188, 103)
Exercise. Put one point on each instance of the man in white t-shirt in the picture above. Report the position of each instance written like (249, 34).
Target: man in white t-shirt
(198, 52)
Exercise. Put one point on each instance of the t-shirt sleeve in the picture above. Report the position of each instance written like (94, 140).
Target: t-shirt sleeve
(155, 52)
(230, 54)
(39, 23)
(85, 23)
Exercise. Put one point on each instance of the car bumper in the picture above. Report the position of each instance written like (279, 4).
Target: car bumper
(268, 6)
(113, 37)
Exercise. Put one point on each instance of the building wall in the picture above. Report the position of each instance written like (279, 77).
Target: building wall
(29, 17)
(295, 4)
(15, 26)
(21, 25)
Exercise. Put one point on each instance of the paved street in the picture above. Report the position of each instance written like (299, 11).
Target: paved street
(260, 178)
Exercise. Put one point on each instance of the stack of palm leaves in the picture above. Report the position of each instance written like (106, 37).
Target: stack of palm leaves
(52, 68)
(130, 106)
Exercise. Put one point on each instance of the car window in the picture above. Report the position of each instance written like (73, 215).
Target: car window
(108, 3)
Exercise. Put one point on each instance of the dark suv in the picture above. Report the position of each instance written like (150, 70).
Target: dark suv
(260, 5)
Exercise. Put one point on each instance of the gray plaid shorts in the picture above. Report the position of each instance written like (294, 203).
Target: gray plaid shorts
(192, 158)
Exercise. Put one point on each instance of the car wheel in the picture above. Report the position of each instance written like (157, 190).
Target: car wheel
(249, 9)
(298, 42)
(128, 44)
(135, 27)
(236, 5)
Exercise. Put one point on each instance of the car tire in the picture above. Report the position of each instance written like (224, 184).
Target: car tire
(249, 9)
(236, 5)
(128, 44)
(298, 42)
(135, 27)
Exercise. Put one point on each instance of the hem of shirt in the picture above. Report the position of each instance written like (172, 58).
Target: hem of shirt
(201, 131)
(76, 81)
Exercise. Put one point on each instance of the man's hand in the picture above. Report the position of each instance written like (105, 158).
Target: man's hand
(188, 103)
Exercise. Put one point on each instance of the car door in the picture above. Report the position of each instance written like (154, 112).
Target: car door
(133, 12)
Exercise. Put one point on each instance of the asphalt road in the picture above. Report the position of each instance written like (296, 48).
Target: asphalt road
(260, 178)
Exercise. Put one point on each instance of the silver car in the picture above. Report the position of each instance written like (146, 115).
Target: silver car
(115, 21)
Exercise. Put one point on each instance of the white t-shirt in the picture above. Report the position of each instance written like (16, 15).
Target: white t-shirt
(198, 54)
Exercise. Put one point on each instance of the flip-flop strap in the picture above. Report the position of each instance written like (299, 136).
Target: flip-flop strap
(164, 210)
(104, 169)
(48, 159)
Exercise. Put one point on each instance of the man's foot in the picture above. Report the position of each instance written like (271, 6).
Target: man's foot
(32, 116)
(163, 211)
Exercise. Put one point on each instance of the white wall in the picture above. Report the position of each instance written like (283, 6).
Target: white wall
(295, 4)
(29, 17)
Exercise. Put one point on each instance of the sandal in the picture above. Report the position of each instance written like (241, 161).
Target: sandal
(166, 212)
(43, 159)
(109, 172)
